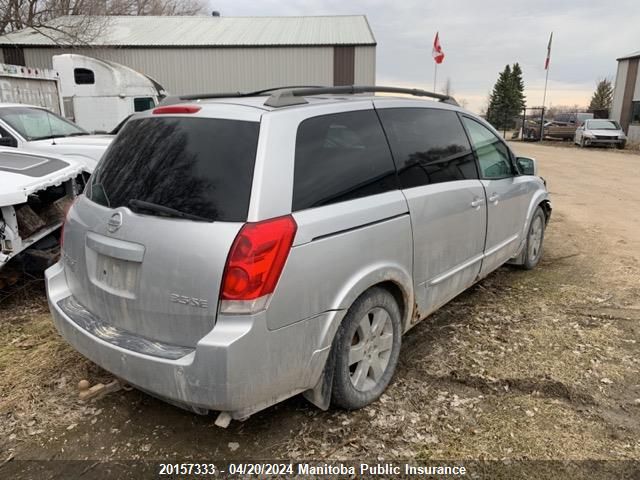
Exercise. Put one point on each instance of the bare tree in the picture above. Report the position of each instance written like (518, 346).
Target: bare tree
(554, 110)
(73, 22)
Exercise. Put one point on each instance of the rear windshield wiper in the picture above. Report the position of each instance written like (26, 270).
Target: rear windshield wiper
(77, 134)
(170, 212)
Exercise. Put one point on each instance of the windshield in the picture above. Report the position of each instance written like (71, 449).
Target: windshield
(178, 166)
(602, 125)
(38, 124)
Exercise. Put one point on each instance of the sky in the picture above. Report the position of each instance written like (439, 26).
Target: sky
(479, 37)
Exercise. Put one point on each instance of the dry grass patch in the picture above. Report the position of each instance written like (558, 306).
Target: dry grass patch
(40, 371)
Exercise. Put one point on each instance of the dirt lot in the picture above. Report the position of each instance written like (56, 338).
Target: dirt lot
(525, 365)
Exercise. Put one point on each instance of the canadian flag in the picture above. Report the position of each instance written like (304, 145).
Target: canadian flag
(548, 59)
(438, 54)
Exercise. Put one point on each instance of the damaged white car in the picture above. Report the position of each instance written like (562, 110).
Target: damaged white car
(35, 192)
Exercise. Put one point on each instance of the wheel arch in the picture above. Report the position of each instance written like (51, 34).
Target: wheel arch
(540, 200)
(394, 279)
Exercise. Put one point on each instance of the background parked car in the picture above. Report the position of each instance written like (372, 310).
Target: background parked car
(575, 118)
(40, 130)
(600, 132)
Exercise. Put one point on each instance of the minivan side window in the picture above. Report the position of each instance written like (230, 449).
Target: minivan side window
(429, 145)
(493, 154)
(341, 157)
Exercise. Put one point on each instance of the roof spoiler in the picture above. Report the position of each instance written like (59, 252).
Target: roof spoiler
(295, 96)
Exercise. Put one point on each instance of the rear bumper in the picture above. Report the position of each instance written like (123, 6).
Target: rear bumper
(239, 367)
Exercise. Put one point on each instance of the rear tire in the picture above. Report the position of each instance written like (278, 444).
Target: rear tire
(535, 240)
(366, 349)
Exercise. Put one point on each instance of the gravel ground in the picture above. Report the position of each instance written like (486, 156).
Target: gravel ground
(524, 365)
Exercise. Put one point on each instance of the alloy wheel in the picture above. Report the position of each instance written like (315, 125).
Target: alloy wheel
(370, 349)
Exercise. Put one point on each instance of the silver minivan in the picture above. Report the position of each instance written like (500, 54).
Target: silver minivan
(229, 253)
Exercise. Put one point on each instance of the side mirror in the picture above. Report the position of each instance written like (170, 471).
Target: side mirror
(527, 166)
(8, 142)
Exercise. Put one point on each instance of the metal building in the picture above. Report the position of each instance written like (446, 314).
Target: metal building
(214, 54)
(626, 96)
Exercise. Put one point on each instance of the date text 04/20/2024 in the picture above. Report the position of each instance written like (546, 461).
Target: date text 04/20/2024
(309, 469)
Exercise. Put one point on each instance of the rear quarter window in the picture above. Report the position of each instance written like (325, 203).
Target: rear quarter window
(199, 166)
(341, 157)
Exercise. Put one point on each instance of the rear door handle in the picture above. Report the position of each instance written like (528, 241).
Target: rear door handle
(477, 202)
(494, 197)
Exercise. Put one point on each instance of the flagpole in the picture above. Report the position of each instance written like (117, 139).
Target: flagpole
(435, 75)
(546, 80)
(544, 95)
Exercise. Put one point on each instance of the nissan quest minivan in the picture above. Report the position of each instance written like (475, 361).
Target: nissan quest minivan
(229, 253)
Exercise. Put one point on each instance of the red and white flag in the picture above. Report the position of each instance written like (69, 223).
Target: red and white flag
(546, 62)
(438, 54)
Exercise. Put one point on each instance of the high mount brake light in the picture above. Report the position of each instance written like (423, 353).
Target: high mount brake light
(176, 109)
(256, 260)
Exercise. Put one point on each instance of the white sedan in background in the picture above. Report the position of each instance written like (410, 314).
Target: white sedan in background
(39, 130)
(600, 132)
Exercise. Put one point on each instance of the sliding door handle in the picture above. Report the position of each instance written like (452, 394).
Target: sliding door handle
(477, 202)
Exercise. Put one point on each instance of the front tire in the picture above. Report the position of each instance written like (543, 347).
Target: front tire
(535, 239)
(366, 349)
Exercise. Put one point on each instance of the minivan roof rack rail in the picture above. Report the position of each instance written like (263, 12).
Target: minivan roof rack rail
(295, 96)
(170, 100)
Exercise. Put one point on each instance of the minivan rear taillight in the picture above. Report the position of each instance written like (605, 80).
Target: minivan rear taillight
(254, 264)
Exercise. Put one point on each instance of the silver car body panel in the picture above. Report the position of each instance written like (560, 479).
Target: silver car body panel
(118, 275)
(448, 222)
(507, 203)
(426, 243)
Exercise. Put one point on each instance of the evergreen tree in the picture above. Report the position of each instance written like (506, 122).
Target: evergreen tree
(497, 112)
(507, 99)
(518, 88)
(603, 96)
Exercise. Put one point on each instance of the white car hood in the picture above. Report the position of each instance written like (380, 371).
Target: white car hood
(23, 172)
(84, 148)
(606, 133)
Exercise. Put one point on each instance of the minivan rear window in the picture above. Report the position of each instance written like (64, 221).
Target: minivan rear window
(201, 167)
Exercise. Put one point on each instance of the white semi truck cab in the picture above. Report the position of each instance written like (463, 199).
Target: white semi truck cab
(98, 94)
